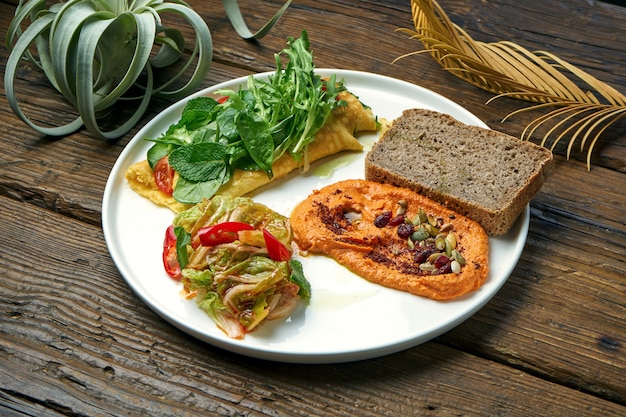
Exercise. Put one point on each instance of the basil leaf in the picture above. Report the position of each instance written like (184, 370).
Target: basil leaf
(200, 162)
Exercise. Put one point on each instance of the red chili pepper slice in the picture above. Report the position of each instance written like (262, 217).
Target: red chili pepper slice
(275, 248)
(170, 258)
(222, 99)
(221, 233)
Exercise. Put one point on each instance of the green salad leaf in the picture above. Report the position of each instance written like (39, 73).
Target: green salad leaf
(237, 282)
(297, 277)
(250, 128)
(182, 240)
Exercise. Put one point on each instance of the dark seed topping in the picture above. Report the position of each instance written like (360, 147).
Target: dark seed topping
(424, 237)
(396, 220)
(382, 220)
(405, 230)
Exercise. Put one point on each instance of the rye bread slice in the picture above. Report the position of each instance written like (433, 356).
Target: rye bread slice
(483, 174)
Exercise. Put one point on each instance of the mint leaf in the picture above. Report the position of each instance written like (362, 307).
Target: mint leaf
(197, 112)
(199, 162)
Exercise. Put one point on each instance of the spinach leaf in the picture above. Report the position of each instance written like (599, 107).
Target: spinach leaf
(189, 192)
(226, 124)
(158, 151)
(257, 139)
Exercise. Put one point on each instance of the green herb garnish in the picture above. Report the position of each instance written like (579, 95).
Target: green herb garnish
(182, 240)
(251, 128)
(297, 277)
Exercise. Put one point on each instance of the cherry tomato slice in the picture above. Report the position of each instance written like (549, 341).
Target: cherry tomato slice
(221, 233)
(275, 248)
(164, 176)
(170, 258)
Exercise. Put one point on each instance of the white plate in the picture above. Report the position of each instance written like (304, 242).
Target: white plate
(348, 318)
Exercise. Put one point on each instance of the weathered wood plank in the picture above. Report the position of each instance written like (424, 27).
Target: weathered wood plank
(75, 340)
(368, 34)
(82, 343)
(561, 313)
(74, 335)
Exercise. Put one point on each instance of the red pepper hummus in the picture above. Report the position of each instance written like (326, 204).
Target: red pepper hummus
(394, 237)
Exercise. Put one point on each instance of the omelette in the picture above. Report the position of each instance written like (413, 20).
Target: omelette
(336, 135)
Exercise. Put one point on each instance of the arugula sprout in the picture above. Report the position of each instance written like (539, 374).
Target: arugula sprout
(252, 128)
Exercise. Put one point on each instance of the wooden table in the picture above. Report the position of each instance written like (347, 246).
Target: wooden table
(75, 340)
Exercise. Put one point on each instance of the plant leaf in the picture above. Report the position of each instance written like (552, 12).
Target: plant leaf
(239, 24)
(94, 51)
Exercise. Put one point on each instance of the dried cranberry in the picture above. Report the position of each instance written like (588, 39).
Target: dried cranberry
(405, 230)
(443, 265)
(382, 220)
(399, 219)
(421, 255)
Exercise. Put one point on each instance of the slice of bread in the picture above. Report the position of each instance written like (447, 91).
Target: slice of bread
(483, 174)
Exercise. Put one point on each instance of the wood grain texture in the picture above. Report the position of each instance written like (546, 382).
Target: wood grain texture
(75, 340)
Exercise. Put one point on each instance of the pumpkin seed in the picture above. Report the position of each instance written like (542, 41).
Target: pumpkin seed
(451, 238)
(440, 242)
(402, 209)
(456, 266)
(448, 248)
(422, 215)
(458, 257)
(426, 227)
(426, 266)
(435, 256)
(420, 235)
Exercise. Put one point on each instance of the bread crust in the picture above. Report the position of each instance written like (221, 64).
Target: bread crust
(483, 174)
(321, 224)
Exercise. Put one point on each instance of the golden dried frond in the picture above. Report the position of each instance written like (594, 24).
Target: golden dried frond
(507, 69)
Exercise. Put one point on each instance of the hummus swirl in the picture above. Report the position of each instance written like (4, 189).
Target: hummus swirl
(339, 221)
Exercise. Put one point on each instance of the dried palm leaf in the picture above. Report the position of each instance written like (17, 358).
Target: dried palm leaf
(507, 69)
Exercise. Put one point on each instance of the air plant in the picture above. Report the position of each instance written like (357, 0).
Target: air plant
(94, 52)
(509, 70)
